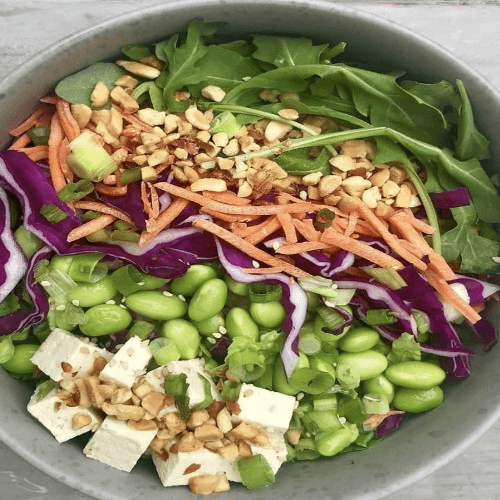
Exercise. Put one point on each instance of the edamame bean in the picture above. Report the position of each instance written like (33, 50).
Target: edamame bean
(239, 322)
(313, 301)
(61, 321)
(211, 325)
(92, 294)
(330, 443)
(156, 305)
(418, 400)
(280, 380)
(359, 339)
(28, 242)
(236, 287)
(415, 374)
(267, 314)
(184, 335)
(61, 262)
(149, 282)
(367, 364)
(105, 319)
(208, 300)
(324, 362)
(192, 279)
(379, 385)
(20, 363)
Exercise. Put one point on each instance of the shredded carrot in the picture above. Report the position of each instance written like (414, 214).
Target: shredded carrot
(361, 249)
(63, 155)
(419, 223)
(104, 209)
(228, 217)
(263, 230)
(155, 202)
(90, 227)
(304, 246)
(388, 237)
(248, 248)
(306, 229)
(286, 222)
(110, 190)
(479, 307)
(263, 270)
(450, 296)
(55, 140)
(145, 200)
(352, 222)
(36, 153)
(163, 220)
(49, 99)
(68, 123)
(227, 197)
(412, 248)
(21, 142)
(232, 209)
(28, 123)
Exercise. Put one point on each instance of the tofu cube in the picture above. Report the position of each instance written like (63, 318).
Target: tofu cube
(117, 445)
(64, 347)
(178, 468)
(58, 418)
(128, 363)
(268, 409)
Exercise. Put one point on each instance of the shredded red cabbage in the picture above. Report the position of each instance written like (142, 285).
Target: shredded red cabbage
(389, 424)
(453, 198)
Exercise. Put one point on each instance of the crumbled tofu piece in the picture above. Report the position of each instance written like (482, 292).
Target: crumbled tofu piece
(172, 471)
(266, 408)
(118, 445)
(128, 363)
(62, 352)
(59, 419)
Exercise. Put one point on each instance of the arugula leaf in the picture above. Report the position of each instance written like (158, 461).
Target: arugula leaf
(282, 51)
(404, 348)
(477, 255)
(300, 162)
(470, 142)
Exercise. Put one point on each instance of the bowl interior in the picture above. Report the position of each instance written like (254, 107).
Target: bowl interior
(423, 443)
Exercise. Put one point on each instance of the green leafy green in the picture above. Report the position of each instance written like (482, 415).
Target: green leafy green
(301, 163)
(9, 305)
(78, 87)
(404, 348)
(6, 349)
(135, 51)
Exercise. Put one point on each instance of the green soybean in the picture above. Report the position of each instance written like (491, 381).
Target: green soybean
(20, 363)
(156, 305)
(208, 300)
(267, 314)
(62, 322)
(184, 335)
(236, 287)
(379, 385)
(149, 282)
(280, 380)
(61, 262)
(105, 319)
(330, 443)
(192, 279)
(240, 323)
(92, 294)
(418, 400)
(367, 364)
(211, 325)
(415, 374)
(359, 339)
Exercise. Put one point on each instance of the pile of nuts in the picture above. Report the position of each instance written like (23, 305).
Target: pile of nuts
(215, 428)
(182, 142)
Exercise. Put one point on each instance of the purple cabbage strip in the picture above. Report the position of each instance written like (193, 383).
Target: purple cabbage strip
(453, 198)
(477, 290)
(348, 320)
(12, 261)
(18, 320)
(294, 298)
(487, 332)
(389, 424)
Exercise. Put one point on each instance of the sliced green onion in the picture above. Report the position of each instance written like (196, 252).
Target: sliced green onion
(127, 279)
(246, 365)
(319, 285)
(156, 97)
(90, 215)
(230, 390)
(73, 315)
(380, 317)
(41, 330)
(130, 175)
(43, 389)
(309, 343)
(389, 277)
(343, 298)
(262, 292)
(75, 191)
(332, 318)
(99, 236)
(39, 135)
(347, 377)
(57, 284)
(207, 393)
(52, 213)
(310, 380)
(255, 472)
(319, 421)
(305, 449)
(21, 335)
(422, 322)
(87, 268)
(6, 349)
(325, 402)
(324, 361)
(141, 329)
(163, 351)
(129, 236)
(375, 403)
(122, 225)
(266, 379)
(324, 218)
(177, 386)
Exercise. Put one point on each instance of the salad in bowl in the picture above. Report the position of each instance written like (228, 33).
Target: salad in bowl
(224, 256)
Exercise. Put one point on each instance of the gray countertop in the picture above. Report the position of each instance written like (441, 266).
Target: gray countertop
(469, 29)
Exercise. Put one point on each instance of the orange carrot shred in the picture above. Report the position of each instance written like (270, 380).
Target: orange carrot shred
(36, 153)
(286, 222)
(419, 223)
(306, 229)
(263, 270)
(351, 226)
(103, 208)
(90, 227)
(228, 217)
(262, 231)
(68, 123)
(63, 155)
(226, 197)
(28, 123)
(54, 143)
(304, 246)
(21, 142)
(110, 190)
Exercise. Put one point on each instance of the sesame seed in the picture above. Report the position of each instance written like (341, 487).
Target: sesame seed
(342, 420)
(60, 307)
(496, 260)
(255, 263)
(303, 195)
(182, 297)
(211, 340)
(300, 395)
(222, 330)
(123, 306)
(217, 335)
(111, 301)
(45, 283)
(167, 294)
(276, 245)
(75, 302)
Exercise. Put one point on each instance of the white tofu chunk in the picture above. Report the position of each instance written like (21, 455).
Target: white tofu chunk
(60, 421)
(64, 347)
(128, 363)
(266, 408)
(117, 445)
(172, 470)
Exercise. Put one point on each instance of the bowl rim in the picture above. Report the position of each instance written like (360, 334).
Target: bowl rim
(330, 9)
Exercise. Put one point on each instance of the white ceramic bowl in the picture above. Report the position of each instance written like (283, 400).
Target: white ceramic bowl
(422, 444)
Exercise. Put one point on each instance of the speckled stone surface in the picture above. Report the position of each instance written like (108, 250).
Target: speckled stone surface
(425, 443)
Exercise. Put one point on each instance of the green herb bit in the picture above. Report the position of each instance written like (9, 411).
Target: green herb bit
(90, 215)
(127, 279)
(324, 218)
(75, 191)
(87, 268)
(6, 349)
(52, 213)
(130, 175)
(39, 135)
(255, 472)
(141, 329)
(9, 305)
(44, 389)
(135, 51)
(207, 393)
(177, 386)
(380, 317)
(262, 292)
